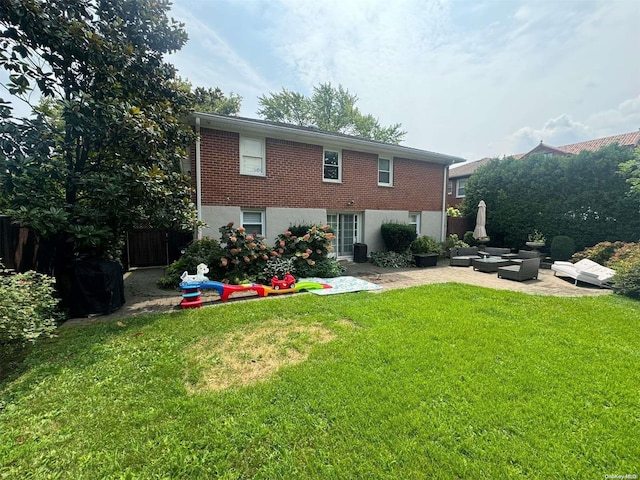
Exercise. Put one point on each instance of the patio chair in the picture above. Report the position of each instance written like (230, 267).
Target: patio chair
(523, 254)
(527, 269)
(586, 271)
(496, 251)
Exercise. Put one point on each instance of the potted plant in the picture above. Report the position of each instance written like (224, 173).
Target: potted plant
(536, 240)
(426, 251)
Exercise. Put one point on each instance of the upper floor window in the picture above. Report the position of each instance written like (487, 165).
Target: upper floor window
(332, 166)
(385, 172)
(253, 221)
(252, 157)
(460, 184)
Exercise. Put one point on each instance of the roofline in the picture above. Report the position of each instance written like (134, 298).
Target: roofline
(316, 137)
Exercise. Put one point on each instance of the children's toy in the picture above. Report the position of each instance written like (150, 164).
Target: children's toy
(199, 277)
(192, 284)
(288, 281)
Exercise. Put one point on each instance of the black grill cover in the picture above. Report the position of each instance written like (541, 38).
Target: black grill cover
(97, 288)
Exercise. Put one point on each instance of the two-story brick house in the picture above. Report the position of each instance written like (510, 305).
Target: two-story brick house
(267, 176)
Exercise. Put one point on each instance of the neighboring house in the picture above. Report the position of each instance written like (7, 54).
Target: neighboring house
(459, 175)
(267, 176)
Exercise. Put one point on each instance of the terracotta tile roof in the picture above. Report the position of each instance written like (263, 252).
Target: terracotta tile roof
(468, 168)
(626, 139)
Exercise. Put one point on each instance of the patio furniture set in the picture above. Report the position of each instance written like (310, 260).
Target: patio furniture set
(519, 266)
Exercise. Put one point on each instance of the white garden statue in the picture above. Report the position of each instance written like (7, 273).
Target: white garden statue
(198, 277)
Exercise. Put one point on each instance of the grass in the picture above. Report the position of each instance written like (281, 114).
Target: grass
(440, 381)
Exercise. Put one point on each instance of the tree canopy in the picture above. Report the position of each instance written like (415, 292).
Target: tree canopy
(103, 151)
(212, 100)
(583, 197)
(631, 170)
(329, 108)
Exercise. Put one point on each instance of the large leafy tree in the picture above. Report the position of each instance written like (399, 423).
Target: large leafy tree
(583, 197)
(103, 152)
(329, 108)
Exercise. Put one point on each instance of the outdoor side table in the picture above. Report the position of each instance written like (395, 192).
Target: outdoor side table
(489, 264)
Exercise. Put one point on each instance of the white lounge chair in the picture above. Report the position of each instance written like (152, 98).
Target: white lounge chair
(586, 271)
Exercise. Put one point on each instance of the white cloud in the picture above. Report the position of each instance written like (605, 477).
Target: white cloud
(472, 79)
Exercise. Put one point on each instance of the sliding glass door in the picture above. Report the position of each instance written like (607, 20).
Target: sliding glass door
(346, 229)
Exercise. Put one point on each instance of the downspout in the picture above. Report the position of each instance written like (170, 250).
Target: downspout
(198, 180)
(443, 229)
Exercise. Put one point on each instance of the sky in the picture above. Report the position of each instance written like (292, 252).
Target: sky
(465, 78)
(469, 78)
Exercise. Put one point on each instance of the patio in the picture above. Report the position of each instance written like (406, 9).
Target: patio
(142, 296)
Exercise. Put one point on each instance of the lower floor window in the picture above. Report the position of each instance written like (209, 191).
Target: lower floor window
(414, 219)
(253, 221)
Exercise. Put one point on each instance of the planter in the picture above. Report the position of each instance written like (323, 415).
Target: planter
(425, 259)
(535, 245)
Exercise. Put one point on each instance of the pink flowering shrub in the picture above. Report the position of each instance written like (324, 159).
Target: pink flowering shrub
(244, 255)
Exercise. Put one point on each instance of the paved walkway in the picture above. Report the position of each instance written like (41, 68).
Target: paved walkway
(143, 296)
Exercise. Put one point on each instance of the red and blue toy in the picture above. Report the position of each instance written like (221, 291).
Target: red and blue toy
(191, 286)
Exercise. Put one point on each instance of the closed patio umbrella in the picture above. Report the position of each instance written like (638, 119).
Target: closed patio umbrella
(481, 220)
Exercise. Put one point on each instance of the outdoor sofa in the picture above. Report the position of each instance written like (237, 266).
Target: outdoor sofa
(463, 256)
(586, 271)
(524, 254)
(527, 269)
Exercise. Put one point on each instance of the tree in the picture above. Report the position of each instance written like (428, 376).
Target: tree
(329, 108)
(631, 170)
(582, 197)
(109, 158)
(212, 100)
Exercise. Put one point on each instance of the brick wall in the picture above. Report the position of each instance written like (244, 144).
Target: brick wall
(294, 178)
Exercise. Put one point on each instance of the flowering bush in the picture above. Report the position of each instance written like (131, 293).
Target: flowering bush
(244, 255)
(279, 267)
(309, 248)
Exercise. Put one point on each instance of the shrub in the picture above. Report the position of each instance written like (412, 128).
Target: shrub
(307, 248)
(562, 247)
(28, 309)
(245, 255)
(323, 268)
(205, 250)
(626, 263)
(391, 259)
(600, 252)
(279, 267)
(469, 239)
(397, 237)
(426, 244)
(453, 241)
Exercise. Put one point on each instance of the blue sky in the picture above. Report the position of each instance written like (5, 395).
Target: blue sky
(467, 78)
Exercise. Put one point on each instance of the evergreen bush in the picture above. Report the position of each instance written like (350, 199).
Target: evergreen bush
(562, 247)
(397, 237)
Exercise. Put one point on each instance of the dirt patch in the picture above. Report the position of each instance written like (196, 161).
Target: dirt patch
(250, 355)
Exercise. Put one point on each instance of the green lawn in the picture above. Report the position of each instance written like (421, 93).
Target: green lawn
(440, 381)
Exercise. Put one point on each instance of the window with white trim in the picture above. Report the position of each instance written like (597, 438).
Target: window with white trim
(332, 166)
(414, 219)
(252, 156)
(385, 172)
(460, 184)
(253, 221)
